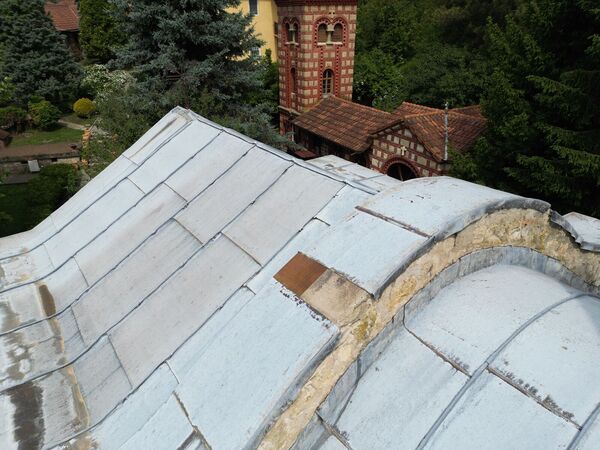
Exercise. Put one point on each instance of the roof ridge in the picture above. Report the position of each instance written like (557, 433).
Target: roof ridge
(369, 108)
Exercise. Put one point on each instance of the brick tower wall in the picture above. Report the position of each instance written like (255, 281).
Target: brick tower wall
(309, 58)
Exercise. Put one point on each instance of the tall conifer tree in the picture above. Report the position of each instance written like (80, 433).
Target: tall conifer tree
(34, 55)
(99, 32)
(543, 106)
(186, 49)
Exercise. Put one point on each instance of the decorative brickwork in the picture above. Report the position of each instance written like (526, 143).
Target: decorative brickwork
(304, 59)
(400, 145)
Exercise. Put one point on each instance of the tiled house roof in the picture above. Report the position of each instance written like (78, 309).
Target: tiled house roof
(64, 14)
(465, 125)
(345, 123)
(351, 125)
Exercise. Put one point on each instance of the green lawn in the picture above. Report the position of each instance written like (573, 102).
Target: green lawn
(38, 137)
(13, 203)
(78, 120)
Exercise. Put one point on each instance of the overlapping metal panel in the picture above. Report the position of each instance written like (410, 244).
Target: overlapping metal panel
(144, 313)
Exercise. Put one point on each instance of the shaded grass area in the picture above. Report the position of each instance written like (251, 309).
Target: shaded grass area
(73, 118)
(13, 202)
(38, 137)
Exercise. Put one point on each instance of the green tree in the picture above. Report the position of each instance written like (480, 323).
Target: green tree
(182, 49)
(378, 80)
(430, 52)
(99, 32)
(195, 54)
(543, 106)
(35, 56)
(54, 185)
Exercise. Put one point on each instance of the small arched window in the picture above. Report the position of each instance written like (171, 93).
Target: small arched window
(290, 29)
(322, 33)
(338, 33)
(327, 82)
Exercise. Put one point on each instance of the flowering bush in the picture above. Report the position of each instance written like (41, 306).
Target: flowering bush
(99, 82)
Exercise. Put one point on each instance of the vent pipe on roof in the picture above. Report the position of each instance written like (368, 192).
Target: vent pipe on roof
(446, 132)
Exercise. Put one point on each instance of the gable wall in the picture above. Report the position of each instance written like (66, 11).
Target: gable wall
(400, 144)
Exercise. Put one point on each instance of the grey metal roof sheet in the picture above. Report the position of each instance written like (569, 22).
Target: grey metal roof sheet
(413, 395)
(144, 312)
(365, 249)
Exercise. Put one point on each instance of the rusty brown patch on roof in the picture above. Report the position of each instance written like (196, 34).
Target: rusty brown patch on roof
(47, 300)
(300, 273)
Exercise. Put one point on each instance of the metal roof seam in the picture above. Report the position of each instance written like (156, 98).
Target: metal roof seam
(585, 428)
(104, 194)
(230, 239)
(60, 312)
(391, 220)
(136, 388)
(110, 342)
(455, 365)
(333, 431)
(508, 381)
(105, 333)
(131, 208)
(195, 428)
(445, 413)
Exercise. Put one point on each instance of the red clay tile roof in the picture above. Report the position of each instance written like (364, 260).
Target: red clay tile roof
(351, 125)
(474, 111)
(463, 131)
(408, 109)
(343, 122)
(64, 14)
(465, 125)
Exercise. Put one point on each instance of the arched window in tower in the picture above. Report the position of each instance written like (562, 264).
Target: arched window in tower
(338, 33)
(327, 82)
(290, 29)
(322, 34)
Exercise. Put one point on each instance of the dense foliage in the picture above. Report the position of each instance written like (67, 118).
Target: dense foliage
(99, 82)
(532, 64)
(195, 54)
(48, 191)
(430, 52)
(185, 49)
(34, 55)
(12, 117)
(543, 105)
(100, 34)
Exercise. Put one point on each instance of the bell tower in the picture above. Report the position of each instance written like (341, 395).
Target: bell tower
(316, 40)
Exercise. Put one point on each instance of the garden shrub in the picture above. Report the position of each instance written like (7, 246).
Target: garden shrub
(44, 115)
(13, 117)
(84, 107)
(99, 82)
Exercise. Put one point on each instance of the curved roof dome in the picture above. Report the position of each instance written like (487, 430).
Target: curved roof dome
(207, 291)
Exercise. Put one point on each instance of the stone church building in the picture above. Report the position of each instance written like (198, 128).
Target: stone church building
(316, 54)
